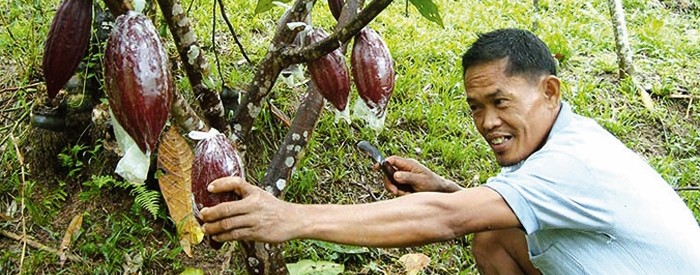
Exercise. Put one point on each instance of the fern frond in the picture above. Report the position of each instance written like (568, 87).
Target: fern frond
(148, 200)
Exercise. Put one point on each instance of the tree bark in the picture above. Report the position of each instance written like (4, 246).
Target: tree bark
(281, 56)
(624, 51)
(196, 66)
(622, 44)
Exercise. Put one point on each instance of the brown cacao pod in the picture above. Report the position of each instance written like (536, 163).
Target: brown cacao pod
(372, 70)
(336, 6)
(330, 73)
(214, 157)
(66, 43)
(137, 79)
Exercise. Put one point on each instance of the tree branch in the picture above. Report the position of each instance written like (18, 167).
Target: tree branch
(287, 157)
(184, 116)
(337, 38)
(268, 70)
(39, 245)
(281, 56)
(196, 67)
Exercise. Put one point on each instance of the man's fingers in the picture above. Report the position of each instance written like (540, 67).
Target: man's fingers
(227, 224)
(404, 164)
(234, 235)
(230, 184)
(223, 210)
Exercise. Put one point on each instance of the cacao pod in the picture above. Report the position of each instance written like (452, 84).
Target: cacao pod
(336, 6)
(66, 43)
(214, 157)
(330, 73)
(372, 70)
(137, 79)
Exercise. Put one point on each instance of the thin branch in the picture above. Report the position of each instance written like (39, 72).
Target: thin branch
(624, 51)
(20, 158)
(280, 56)
(38, 245)
(12, 89)
(690, 188)
(267, 71)
(196, 66)
(337, 38)
(230, 28)
(213, 44)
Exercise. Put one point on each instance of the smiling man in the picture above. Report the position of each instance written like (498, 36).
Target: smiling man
(570, 199)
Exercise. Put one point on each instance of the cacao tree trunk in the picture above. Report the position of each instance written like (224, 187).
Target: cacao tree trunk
(624, 51)
(196, 66)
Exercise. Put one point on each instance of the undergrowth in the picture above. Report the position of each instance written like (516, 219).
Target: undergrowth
(126, 226)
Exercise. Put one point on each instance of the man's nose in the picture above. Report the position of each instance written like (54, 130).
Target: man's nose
(491, 120)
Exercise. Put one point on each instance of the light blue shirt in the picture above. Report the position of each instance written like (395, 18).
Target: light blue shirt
(589, 205)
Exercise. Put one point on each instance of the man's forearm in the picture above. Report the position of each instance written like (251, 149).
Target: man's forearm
(407, 221)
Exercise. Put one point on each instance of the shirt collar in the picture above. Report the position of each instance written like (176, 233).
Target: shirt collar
(563, 118)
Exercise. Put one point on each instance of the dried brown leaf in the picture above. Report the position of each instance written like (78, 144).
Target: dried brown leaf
(414, 263)
(175, 161)
(75, 224)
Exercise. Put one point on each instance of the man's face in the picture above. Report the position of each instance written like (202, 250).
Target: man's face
(513, 114)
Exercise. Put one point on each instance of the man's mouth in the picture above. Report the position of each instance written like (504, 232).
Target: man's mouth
(499, 143)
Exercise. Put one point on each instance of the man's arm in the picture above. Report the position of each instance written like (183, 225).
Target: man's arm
(406, 221)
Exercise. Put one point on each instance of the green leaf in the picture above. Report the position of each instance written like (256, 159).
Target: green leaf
(192, 271)
(345, 249)
(309, 267)
(429, 10)
(266, 5)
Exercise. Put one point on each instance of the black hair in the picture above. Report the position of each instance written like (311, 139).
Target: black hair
(527, 55)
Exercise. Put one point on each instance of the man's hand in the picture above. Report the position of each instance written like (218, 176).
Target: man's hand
(422, 179)
(257, 216)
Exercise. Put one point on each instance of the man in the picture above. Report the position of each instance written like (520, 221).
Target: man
(570, 199)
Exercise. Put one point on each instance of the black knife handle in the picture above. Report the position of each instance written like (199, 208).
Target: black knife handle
(389, 171)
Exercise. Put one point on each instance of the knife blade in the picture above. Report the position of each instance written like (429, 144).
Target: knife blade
(373, 153)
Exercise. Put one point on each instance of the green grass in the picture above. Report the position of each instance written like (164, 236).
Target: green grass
(427, 120)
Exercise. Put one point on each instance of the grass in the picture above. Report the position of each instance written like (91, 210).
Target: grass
(427, 120)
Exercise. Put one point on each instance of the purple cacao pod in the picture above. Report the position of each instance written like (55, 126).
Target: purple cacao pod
(66, 43)
(336, 7)
(372, 70)
(214, 157)
(137, 79)
(330, 73)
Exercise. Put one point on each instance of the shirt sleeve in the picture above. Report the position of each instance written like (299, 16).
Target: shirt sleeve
(555, 190)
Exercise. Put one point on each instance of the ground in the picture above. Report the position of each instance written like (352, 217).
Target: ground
(47, 177)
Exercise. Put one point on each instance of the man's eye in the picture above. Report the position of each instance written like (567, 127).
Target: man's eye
(500, 102)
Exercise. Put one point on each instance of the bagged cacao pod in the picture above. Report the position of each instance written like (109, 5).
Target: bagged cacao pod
(330, 73)
(372, 71)
(214, 157)
(137, 79)
(336, 6)
(66, 43)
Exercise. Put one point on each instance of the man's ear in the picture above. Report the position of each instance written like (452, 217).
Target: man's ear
(552, 90)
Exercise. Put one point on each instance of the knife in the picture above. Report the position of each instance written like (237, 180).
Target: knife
(388, 169)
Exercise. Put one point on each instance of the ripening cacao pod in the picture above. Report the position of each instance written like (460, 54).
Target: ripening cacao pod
(66, 43)
(372, 70)
(330, 73)
(214, 157)
(336, 6)
(137, 79)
